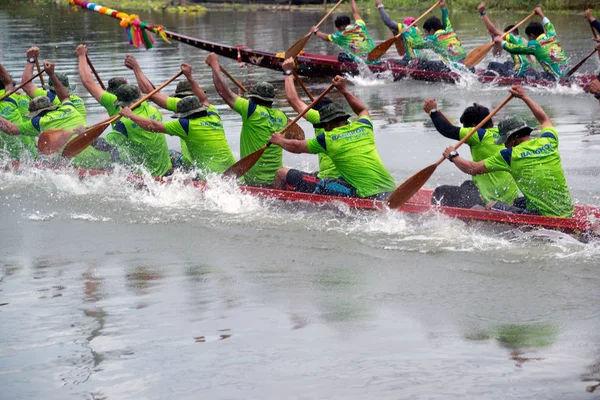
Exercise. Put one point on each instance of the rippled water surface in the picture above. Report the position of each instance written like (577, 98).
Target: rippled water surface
(109, 291)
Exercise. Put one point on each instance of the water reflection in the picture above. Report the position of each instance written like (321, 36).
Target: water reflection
(142, 278)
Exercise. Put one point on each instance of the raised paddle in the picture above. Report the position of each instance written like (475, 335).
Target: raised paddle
(89, 62)
(39, 70)
(478, 53)
(302, 85)
(86, 138)
(411, 186)
(244, 165)
(237, 83)
(297, 47)
(381, 48)
(22, 84)
(575, 68)
(595, 35)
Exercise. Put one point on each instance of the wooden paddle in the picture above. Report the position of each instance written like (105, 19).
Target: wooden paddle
(301, 83)
(400, 47)
(22, 84)
(89, 62)
(478, 53)
(575, 68)
(39, 69)
(53, 140)
(595, 35)
(237, 83)
(381, 49)
(297, 47)
(240, 168)
(411, 186)
(86, 138)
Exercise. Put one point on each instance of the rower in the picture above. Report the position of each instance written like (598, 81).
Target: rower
(410, 37)
(293, 179)
(351, 147)
(33, 91)
(442, 39)
(198, 124)
(17, 147)
(534, 163)
(45, 115)
(137, 147)
(543, 44)
(595, 84)
(521, 64)
(481, 189)
(352, 37)
(593, 21)
(259, 121)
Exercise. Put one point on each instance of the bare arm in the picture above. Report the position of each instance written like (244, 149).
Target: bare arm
(5, 77)
(196, 89)
(143, 82)
(355, 10)
(86, 75)
(357, 106)
(488, 23)
(8, 127)
(290, 88)
(470, 167)
(291, 145)
(59, 89)
(29, 88)
(147, 124)
(220, 81)
(321, 35)
(535, 108)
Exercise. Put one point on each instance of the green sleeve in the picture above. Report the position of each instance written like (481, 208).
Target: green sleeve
(115, 138)
(550, 130)
(313, 116)
(496, 163)
(548, 27)
(473, 140)
(314, 147)
(40, 92)
(519, 49)
(336, 38)
(172, 103)
(445, 20)
(27, 129)
(426, 43)
(174, 128)
(108, 102)
(241, 107)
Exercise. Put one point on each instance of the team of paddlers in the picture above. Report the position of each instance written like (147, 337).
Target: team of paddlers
(512, 170)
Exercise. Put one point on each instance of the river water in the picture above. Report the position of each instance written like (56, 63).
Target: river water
(111, 292)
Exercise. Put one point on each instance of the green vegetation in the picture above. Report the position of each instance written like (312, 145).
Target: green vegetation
(520, 5)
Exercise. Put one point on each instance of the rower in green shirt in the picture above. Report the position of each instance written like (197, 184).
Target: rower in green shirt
(33, 91)
(543, 44)
(44, 115)
(534, 163)
(352, 37)
(293, 179)
(351, 147)
(16, 147)
(259, 121)
(521, 65)
(482, 189)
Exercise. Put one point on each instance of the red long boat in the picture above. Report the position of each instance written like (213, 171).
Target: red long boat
(584, 224)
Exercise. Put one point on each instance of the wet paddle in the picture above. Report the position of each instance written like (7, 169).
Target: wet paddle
(22, 84)
(86, 138)
(53, 140)
(382, 48)
(89, 62)
(575, 68)
(39, 70)
(478, 53)
(412, 185)
(297, 47)
(302, 85)
(240, 168)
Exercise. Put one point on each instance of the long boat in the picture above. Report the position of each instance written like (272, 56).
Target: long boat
(312, 65)
(584, 224)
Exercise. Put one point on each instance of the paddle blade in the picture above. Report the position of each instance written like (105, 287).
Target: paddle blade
(297, 47)
(53, 140)
(295, 132)
(244, 165)
(477, 54)
(410, 187)
(400, 47)
(82, 141)
(380, 50)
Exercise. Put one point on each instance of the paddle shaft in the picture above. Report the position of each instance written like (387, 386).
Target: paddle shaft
(417, 20)
(39, 69)
(89, 62)
(511, 30)
(479, 126)
(301, 83)
(23, 84)
(595, 35)
(310, 106)
(237, 83)
(327, 15)
(575, 68)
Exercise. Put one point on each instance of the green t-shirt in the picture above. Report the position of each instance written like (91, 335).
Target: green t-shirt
(496, 185)
(546, 49)
(412, 39)
(258, 124)
(536, 167)
(139, 147)
(327, 168)
(75, 100)
(523, 62)
(445, 43)
(205, 139)
(15, 146)
(354, 39)
(22, 104)
(352, 149)
(66, 117)
(186, 157)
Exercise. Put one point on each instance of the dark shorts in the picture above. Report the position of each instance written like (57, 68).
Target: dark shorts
(340, 187)
(519, 206)
(466, 195)
(502, 69)
(300, 181)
